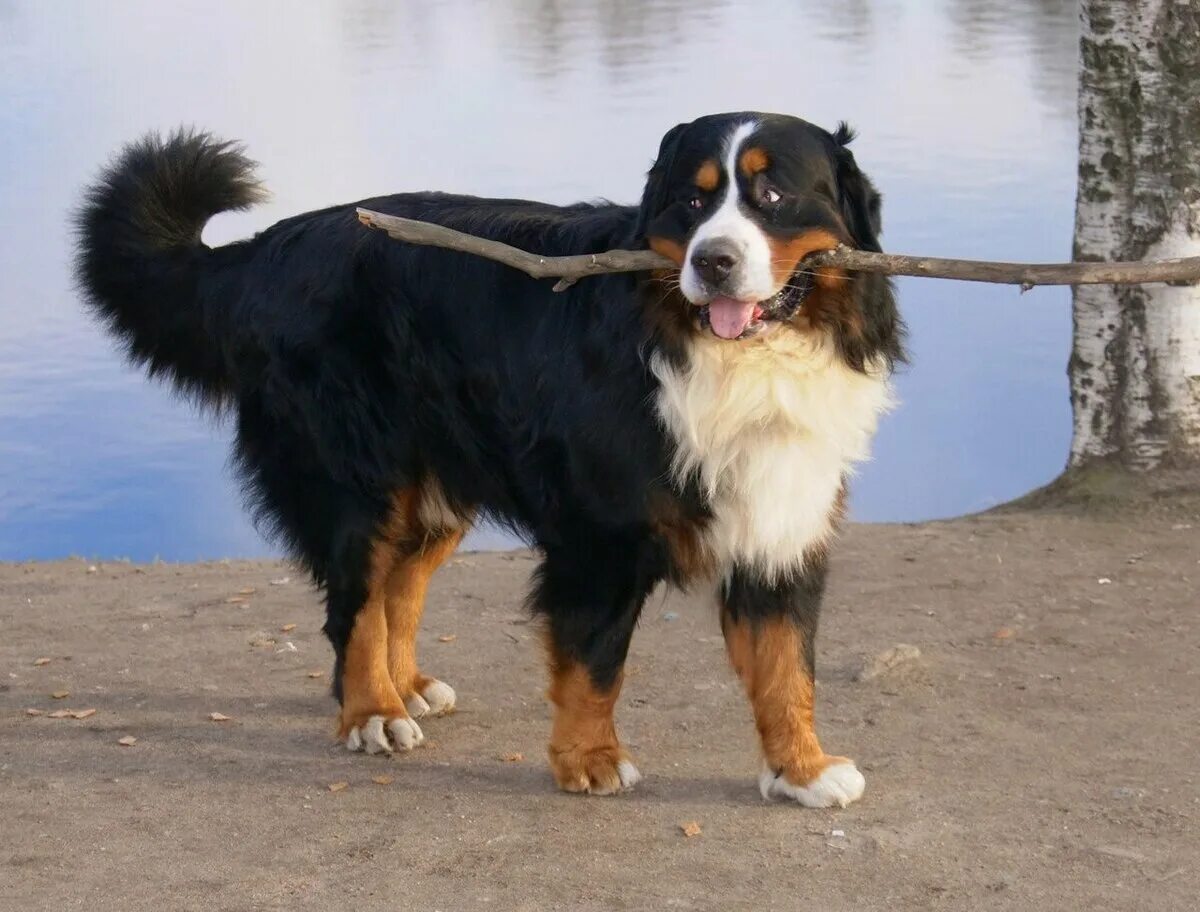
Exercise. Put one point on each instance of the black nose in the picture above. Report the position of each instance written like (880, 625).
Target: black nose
(715, 261)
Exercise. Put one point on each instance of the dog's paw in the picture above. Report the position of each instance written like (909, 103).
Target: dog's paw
(436, 698)
(605, 771)
(837, 785)
(381, 734)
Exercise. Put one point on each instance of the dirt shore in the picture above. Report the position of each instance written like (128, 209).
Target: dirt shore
(1043, 752)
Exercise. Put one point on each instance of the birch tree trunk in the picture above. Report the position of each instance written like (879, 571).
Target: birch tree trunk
(1135, 366)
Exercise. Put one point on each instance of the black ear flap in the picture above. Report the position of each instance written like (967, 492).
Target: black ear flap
(860, 201)
(654, 197)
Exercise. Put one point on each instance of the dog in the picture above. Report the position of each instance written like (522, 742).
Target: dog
(695, 426)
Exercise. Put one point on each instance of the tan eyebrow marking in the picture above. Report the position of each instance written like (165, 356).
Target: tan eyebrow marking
(708, 175)
(753, 160)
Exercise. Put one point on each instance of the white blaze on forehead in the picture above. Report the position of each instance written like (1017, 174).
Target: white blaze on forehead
(752, 278)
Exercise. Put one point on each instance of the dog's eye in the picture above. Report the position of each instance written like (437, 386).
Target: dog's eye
(695, 202)
(769, 195)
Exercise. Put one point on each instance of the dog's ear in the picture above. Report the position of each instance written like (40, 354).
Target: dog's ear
(860, 201)
(879, 338)
(654, 197)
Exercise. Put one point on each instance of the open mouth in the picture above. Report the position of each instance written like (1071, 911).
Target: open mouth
(732, 319)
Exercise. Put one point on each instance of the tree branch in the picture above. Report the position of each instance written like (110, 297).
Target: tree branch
(569, 269)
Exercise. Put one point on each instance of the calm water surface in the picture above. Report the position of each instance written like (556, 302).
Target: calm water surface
(966, 116)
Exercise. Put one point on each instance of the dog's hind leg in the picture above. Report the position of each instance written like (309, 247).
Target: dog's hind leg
(591, 594)
(373, 715)
(405, 602)
(381, 687)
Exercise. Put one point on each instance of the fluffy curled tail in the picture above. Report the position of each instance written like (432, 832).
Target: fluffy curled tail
(142, 266)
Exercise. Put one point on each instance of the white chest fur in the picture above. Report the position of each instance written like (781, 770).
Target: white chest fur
(769, 428)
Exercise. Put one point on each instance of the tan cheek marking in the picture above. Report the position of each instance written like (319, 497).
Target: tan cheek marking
(769, 659)
(753, 160)
(787, 253)
(672, 250)
(708, 175)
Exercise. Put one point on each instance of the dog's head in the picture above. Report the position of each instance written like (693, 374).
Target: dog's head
(738, 201)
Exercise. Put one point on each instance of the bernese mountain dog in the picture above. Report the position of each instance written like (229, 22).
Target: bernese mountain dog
(693, 425)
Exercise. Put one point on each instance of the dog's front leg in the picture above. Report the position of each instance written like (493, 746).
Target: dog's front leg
(770, 631)
(590, 595)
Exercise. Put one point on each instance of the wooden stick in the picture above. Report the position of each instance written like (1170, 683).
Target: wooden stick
(569, 269)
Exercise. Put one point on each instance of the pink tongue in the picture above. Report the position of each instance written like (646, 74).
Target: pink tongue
(729, 318)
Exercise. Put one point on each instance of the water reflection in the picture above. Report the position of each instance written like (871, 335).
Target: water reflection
(983, 29)
(966, 116)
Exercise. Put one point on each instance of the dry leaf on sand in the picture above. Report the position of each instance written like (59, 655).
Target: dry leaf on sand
(513, 757)
(382, 780)
(690, 829)
(61, 694)
(83, 713)
(35, 712)
(338, 786)
(127, 741)
(218, 717)
(44, 660)
(287, 628)
(448, 638)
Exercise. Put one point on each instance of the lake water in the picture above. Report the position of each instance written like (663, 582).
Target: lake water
(965, 110)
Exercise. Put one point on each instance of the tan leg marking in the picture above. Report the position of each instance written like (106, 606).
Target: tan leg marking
(585, 754)
(405, 602)
(379, 671)
(768, 656)
(369, 698)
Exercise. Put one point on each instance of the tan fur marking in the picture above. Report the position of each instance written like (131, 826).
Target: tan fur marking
(692, 558)
(769, 659)
(708, 175)
(367, 688)
(405, 601)
(584, 749)
(830, 304)
(379, 667)
(786, 255)
(672, 250)
(753, 160)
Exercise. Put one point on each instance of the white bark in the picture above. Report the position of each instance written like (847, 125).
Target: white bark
(1135, 367)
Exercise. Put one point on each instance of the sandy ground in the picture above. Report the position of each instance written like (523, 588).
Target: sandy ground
(1044, 751)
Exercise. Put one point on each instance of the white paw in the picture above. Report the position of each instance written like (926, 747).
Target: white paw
(627, 777)
(406, 734)
(439, 697)
(373, 735)
(837, 786)
(628, 774)
(416, 705)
